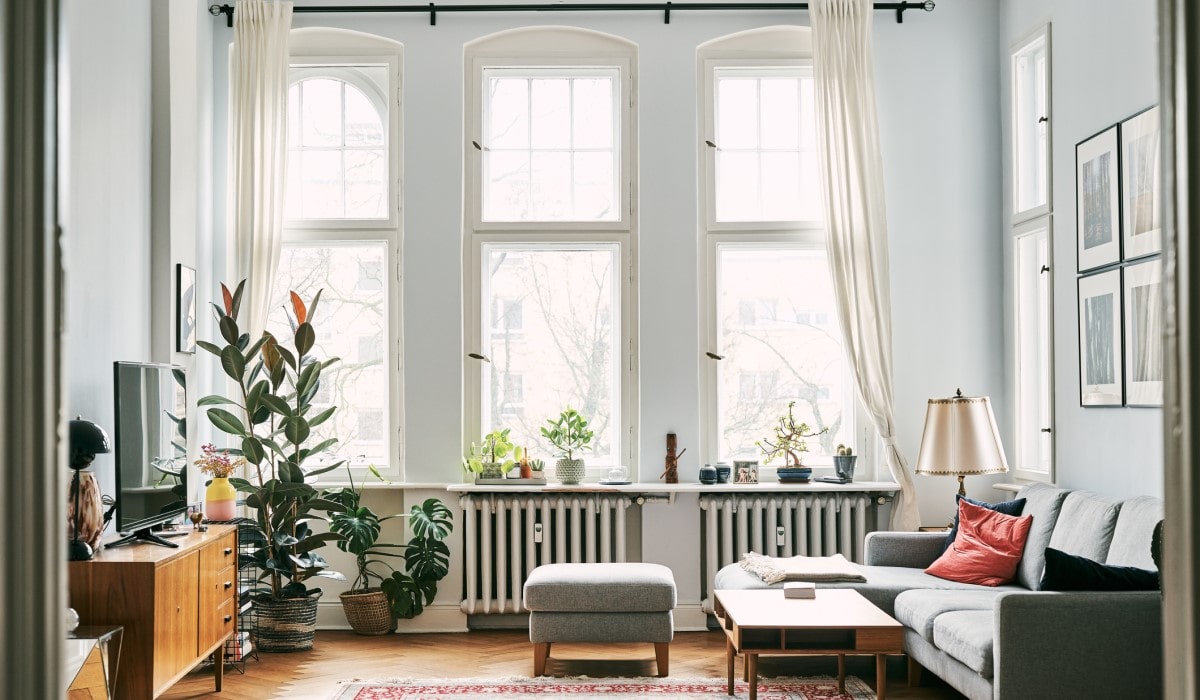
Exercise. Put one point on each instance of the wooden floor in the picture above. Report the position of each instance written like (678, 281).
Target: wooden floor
(338, 656)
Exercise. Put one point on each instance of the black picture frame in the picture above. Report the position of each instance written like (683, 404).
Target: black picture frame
(185, 308)
(1101, 339)
(1098, 200)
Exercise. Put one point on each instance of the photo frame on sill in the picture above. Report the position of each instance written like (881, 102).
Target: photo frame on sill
(1143, 321)
(1100, 363)
(1141, 210)
(1097, 201)
(185, 308)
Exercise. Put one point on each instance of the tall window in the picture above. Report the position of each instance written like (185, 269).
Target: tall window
(770, 326)
(341, 238)
(551, 239)
(1030, 66)
(1034, 351)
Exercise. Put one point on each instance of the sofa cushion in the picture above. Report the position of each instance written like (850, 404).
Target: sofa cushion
(918, 609)
(1013, 507)
(1131, 538)
(967, 635)
(988, 548)
(1067, 572)
(1086, 524)
(1044, 504)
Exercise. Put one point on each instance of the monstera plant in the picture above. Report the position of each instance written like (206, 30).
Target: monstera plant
(271, 418)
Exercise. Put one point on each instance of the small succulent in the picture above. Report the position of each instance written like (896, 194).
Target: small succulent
(537, 465)
(843, 451)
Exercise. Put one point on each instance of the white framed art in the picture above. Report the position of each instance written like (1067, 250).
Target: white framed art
(1141, 209)
(1097, 205)
(1143, 321)
(1100, 365)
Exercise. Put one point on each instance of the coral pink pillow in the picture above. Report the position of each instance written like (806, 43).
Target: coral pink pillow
(987, 549)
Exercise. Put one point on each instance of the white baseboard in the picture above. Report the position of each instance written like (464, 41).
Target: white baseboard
(439, 617)
(690, 618)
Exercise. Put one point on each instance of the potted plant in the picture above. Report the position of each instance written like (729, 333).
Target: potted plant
(569, 434)
(271, 416)
(426, 560)
(369, 609)
(788, 441)
(843, 463)
(494, 457)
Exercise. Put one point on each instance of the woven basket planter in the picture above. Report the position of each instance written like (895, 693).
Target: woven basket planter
(367, 611)
(286, 624)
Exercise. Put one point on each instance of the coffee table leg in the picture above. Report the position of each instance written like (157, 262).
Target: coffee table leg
(880, 676)
(842, 674)
(729, 654)
(752, 674)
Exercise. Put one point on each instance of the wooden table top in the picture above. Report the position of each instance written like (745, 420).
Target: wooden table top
(833, 608)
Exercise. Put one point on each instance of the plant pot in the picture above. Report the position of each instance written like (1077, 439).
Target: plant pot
(569, 471)
(843, 465)
(368, 611)
(286, 624)
(492, 470)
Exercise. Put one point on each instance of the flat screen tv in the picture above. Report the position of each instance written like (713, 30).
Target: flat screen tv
(151, 454)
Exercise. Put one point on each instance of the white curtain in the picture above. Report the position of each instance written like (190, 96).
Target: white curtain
(258, 148)
(856, 222)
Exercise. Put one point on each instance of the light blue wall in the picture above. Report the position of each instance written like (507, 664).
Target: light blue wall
(1104, 69)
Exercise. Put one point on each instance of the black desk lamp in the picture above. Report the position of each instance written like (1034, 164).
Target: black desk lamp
(86, 441)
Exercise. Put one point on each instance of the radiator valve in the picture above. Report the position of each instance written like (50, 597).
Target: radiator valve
(537, 532)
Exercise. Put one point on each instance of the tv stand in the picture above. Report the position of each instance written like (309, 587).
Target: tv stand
(149, 536)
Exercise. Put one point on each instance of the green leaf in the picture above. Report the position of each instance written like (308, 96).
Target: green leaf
(321, 470)
(215, 400)
(317, 449)
(210, 347)
(226, 422)
(229, 330)
(431, 519)
(252, 448)
(276, 404)
(290, 472)
(237, 298)
(308, 379)
(295, 429)
(306, 337)
(233, 363)
(312, 305)
(321, 417)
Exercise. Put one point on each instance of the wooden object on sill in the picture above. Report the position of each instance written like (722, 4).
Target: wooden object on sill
(177, 606)
(671, 472)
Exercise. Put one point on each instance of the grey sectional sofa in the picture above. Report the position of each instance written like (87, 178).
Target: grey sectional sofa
(1014, 641)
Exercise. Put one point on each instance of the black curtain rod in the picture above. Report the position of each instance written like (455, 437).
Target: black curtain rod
(663, 7)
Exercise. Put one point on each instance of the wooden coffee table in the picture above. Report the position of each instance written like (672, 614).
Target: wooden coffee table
(836, 622)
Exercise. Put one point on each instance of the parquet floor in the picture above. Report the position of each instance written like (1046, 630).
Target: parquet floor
(337, 656)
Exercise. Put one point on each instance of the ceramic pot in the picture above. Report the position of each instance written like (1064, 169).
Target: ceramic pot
(569, 471)
(843, 465)
(220, 499)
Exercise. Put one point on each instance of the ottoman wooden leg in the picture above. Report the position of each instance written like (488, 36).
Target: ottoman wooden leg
(541, 652)
(662, 655)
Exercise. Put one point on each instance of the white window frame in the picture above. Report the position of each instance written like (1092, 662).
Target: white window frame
(313, 48)
(557, 48)
(1022, 47)
(1039, 227)
(768, 48)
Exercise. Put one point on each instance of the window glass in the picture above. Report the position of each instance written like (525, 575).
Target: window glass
(1031, 126)
(1034, 353)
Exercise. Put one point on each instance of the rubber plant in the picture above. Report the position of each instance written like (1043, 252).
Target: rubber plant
(271, 414)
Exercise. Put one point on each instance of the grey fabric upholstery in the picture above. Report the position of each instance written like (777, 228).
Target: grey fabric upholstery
(629, 587)
(915, 549)
(960, 677)
(1044, 503)
(919, 609)
(655, 627)
(967, 635)
(1131, 538)
(1085, 525)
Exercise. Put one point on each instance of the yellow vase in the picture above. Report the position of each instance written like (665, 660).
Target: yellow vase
(220, 499)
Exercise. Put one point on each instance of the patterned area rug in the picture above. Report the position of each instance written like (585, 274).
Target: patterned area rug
(584, 688)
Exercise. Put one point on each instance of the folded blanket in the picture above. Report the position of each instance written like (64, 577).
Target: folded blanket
(835, 568)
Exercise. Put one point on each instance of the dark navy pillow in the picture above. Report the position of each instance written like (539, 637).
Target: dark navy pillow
(1013, 507)
(1067, 572)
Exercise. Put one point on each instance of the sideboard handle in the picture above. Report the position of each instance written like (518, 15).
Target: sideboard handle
(228, 618)
(228, 585)
(228, 551)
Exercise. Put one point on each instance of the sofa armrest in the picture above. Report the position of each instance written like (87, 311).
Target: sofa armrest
(911, 549)
(1094, 644)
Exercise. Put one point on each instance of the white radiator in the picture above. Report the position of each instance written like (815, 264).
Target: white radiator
(788, 525)
(507, 536)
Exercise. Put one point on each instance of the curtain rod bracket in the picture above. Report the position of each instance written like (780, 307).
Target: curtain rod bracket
(667, 14)
(432, 15)
(927, 5)
(218, 10)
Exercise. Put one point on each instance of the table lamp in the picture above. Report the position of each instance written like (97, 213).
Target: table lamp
(961, 439)
(86, 441)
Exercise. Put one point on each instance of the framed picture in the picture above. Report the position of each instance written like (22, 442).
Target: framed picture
(1143, 333)
(1100, 339)
(745, 472)
(1097, 206)
(185, 308)
(1141, 212)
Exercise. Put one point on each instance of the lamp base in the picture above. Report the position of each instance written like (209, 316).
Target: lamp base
(78, 550)
(962, 491)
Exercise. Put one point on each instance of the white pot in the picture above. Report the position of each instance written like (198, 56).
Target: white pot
(569, 471)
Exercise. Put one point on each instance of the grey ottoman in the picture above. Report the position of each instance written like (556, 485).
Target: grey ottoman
(600, 603)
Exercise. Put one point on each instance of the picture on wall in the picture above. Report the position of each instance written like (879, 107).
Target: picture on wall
(1143, 334)
(185, 308)
(1141, 149)
(1100, 366)
(1097, 206)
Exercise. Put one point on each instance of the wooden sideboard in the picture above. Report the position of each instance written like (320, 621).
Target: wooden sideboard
(177, 605)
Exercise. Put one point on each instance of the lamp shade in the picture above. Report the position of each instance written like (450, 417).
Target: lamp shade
(961, 438)
(86, 441)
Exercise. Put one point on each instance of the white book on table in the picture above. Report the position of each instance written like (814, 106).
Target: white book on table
(799, 589)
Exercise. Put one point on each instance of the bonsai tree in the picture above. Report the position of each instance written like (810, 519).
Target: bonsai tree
(271, 415)
(788, 440)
